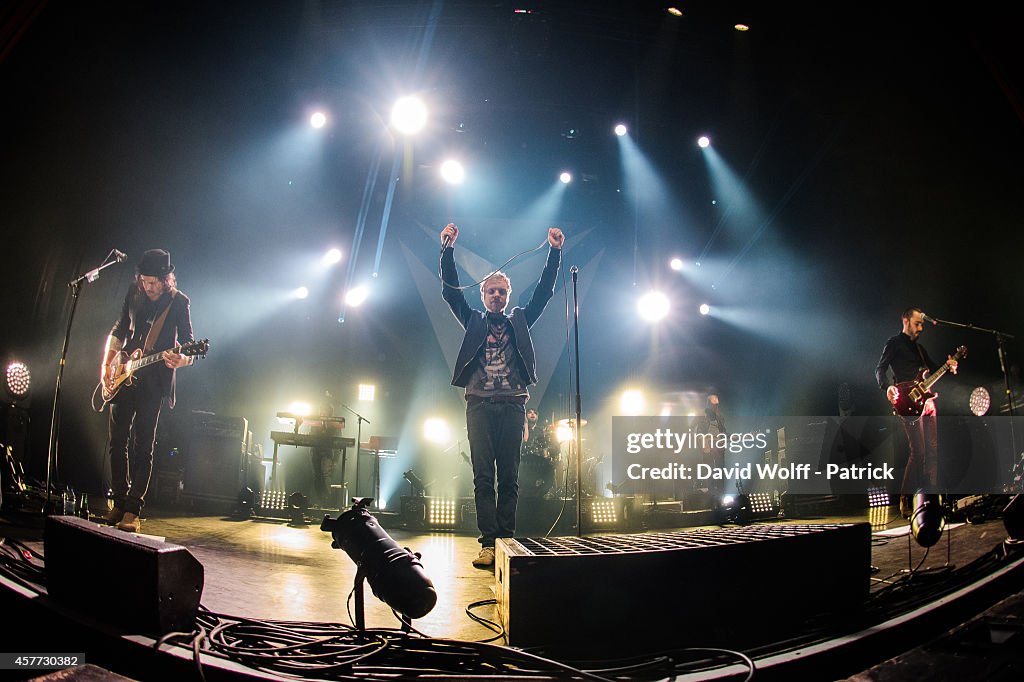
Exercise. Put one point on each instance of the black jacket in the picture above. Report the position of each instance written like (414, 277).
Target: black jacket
(475, 321)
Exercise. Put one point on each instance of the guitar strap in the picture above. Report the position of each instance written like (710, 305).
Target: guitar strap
(158, 325)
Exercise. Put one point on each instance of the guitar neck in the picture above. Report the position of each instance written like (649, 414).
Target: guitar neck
(145, 360)
(932, 378)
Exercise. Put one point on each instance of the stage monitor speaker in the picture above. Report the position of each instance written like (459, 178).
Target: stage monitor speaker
(217, 466)
(637, 594)
(149, 587)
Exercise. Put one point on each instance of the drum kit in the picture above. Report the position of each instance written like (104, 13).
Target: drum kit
(551, 471)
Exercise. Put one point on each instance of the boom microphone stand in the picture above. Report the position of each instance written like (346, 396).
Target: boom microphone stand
(112, 258)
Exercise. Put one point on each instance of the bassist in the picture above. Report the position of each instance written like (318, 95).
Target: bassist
(905, 357)
(154, 315)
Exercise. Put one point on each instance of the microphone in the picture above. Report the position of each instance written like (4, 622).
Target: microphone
(929, 319)
(446, 242)
(119, 255)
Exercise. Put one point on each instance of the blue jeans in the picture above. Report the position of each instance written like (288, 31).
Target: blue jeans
(495, 440)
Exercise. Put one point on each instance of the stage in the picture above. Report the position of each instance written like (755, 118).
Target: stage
(274, 570)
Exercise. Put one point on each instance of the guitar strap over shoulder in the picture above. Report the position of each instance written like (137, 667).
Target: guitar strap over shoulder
(158, 325)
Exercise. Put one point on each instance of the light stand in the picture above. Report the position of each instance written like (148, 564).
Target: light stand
(54, 442)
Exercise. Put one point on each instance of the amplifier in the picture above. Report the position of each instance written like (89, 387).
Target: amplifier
(635, 594)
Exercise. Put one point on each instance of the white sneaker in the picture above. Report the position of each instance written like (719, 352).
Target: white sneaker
(485, 558)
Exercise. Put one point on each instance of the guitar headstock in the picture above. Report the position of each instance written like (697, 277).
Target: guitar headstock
(961, 352)
(194, 348)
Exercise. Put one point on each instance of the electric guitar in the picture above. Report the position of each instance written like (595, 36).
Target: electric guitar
(913, 394)
(123, 366)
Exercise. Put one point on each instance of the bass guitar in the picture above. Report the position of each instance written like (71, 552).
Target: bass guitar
(123, 366)
(913, 394)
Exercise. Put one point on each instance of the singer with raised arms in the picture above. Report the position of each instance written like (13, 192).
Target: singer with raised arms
(905, 356)
(154, 316)
(496, 365)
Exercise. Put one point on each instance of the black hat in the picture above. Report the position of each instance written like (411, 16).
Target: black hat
(155, 263)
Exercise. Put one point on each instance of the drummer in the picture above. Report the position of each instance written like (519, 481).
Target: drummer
(535, 438)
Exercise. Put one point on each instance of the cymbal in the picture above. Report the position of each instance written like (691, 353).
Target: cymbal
(570, 422)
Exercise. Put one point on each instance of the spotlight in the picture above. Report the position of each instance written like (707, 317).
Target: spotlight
(980, 401)
(318, 120)
(301, 409)
(298, 505)
(419, 488)
(632, 403)
(704, 309)
(332, 256)
(367, 392)
(436, 430)
(653, 306)
(357, 296)
(452, 172)
(927, 521)
(703, 141)
(620, 130)
(675, 11)
(736, 508)
(565, 178)
(742, 28)
(301, 292)
(17, 380)
(395, 574)
(676, 264)
(563, 433)
(409, 115)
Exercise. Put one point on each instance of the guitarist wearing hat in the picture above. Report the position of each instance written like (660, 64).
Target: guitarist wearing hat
(155, 316)
(906, 357)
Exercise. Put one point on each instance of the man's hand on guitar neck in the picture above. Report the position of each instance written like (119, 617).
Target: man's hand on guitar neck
(951, 361)
(175, 360)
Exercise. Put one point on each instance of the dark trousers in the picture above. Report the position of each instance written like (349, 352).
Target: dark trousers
(495, 440)
(134, 414)
(922, 472)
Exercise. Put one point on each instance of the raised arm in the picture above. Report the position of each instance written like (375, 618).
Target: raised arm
(450, 291)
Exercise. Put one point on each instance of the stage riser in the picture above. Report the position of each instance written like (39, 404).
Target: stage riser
(138, 584)
(726, 595)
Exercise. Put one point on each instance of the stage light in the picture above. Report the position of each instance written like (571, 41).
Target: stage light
(436, 430)
(675, 11)
(703, 141)
(927, 521)
(409, 115)
(441, 513)
(17, 380)
(741, 27)
(676, 264)
(300, 408)
(395, 574)
(620, 130)
(653, 306)
(563, 433)
(632, 403)
(452, 172)
(357, 296)
(736, 508)
(419, 488)
(367, 392)
(301, 292)
(332, 256)
(318, 119)
(704, 309)
(565, 178)
(980, 401)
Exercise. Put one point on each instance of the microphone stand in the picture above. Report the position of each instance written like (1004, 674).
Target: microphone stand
(54, 442)
(574, 271)
(359, 443)
(1001, 350)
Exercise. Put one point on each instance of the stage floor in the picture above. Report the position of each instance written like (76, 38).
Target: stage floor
(260, 568)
